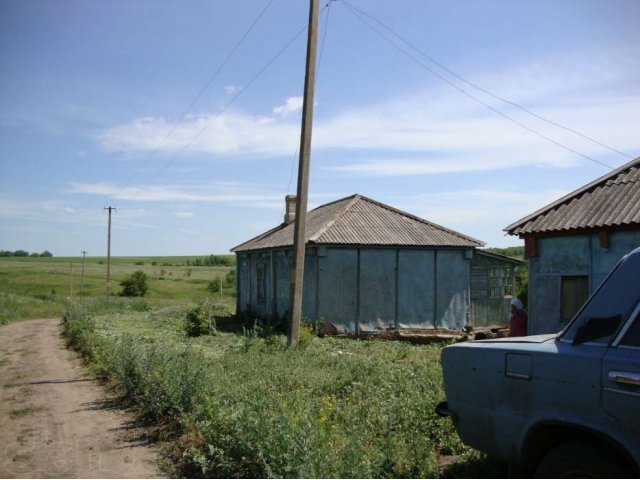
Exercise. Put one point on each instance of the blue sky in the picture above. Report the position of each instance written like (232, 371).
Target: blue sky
(92, 97)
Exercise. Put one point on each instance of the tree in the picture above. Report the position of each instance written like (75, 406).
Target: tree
(46, 253)
(134, 285)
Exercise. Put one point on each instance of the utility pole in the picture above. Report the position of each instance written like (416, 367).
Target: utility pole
(71, 280)
(109, 252)
(82, 276)
(299, 240)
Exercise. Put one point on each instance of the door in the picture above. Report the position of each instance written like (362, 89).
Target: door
(621, 374)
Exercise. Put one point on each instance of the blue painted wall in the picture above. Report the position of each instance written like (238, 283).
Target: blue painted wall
(569, 255)
(364, 289)
(338, 299)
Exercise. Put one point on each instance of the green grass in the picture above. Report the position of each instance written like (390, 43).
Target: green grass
(244, 405)
(22, 412)
(32, 287)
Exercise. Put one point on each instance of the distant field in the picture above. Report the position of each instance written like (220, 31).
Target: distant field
(177, 260)
(38, 286)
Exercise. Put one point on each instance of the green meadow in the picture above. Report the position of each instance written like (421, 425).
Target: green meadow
(32, 287)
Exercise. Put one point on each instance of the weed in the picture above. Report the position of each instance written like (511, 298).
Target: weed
(247, 406)
(22, 412)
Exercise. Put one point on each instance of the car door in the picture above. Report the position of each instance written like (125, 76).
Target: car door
(621, 374)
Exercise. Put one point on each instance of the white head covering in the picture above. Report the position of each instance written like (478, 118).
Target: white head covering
(517, 303)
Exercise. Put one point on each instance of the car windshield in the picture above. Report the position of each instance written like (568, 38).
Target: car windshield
(614, 301)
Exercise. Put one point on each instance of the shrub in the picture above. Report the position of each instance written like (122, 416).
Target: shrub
(135, 285)
(199, 321)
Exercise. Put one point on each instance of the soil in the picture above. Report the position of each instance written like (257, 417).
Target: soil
(56, 421)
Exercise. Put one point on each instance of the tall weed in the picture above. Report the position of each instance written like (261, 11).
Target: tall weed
(249, 407)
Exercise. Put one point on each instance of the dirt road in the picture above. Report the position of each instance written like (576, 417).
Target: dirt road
(55, 420)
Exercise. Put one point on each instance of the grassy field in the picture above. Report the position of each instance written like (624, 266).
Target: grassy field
(235, 401)
(239, 404)
(32, 287)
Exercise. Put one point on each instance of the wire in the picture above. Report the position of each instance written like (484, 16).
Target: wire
(227, 105)
(476, 99)
(203, 89)
(477, 87)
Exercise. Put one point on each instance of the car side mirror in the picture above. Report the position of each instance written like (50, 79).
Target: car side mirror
(596, 327)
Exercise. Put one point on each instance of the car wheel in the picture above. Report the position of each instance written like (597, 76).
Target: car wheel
(578, 460)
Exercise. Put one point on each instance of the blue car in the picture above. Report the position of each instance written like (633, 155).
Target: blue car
(557, 406)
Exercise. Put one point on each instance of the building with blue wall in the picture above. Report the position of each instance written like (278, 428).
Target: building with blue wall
(368, 267)
(572, 243)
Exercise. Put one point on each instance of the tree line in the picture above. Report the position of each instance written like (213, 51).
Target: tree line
(24, 253)
(213, 261)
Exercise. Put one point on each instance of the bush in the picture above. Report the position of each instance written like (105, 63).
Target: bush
(135, 285)
(199, 321)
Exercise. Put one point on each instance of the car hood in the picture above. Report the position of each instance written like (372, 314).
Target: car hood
(531, 339)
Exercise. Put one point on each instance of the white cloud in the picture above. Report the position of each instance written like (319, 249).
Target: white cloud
(479, 213)
(292, 105)
(435, 131)
(58, 212)
(208, 193)
(230, 89)
(230, 134)
(185, 214)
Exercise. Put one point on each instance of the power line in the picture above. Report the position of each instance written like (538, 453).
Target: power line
(477, 87)
(203, 89)
(227, 105)
(473, 97)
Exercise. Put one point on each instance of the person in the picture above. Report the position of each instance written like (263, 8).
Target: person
(518, 319)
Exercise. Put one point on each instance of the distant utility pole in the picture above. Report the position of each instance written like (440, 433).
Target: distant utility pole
(303, 179)
(82, 276)
(109, 253)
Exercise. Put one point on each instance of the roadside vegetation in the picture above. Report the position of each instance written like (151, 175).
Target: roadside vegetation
(241, 404)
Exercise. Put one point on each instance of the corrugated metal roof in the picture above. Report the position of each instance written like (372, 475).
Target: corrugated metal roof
(358, 220)
(611, 200)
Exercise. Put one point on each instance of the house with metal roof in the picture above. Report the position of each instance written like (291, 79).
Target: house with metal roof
(572, 243)
(368, 267)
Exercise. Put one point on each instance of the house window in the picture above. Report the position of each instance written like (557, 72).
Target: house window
(575, 292)
(261, 271)
(500, 284)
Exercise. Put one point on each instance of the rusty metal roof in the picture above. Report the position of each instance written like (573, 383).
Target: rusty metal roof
(612, 200)
(358, 220)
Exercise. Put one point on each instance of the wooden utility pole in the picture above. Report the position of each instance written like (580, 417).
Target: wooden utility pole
(299, 242)
(71, 280)
(82, 276)
(109, 253)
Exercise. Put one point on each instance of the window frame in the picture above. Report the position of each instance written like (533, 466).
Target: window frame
(631, 321)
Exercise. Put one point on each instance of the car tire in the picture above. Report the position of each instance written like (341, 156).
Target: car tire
(579, 460)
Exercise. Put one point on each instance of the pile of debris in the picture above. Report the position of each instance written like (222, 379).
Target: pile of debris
(418, 335)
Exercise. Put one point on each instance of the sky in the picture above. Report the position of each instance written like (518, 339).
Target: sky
(185, 115)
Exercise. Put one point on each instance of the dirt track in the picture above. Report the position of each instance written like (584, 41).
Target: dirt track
(56, 421)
